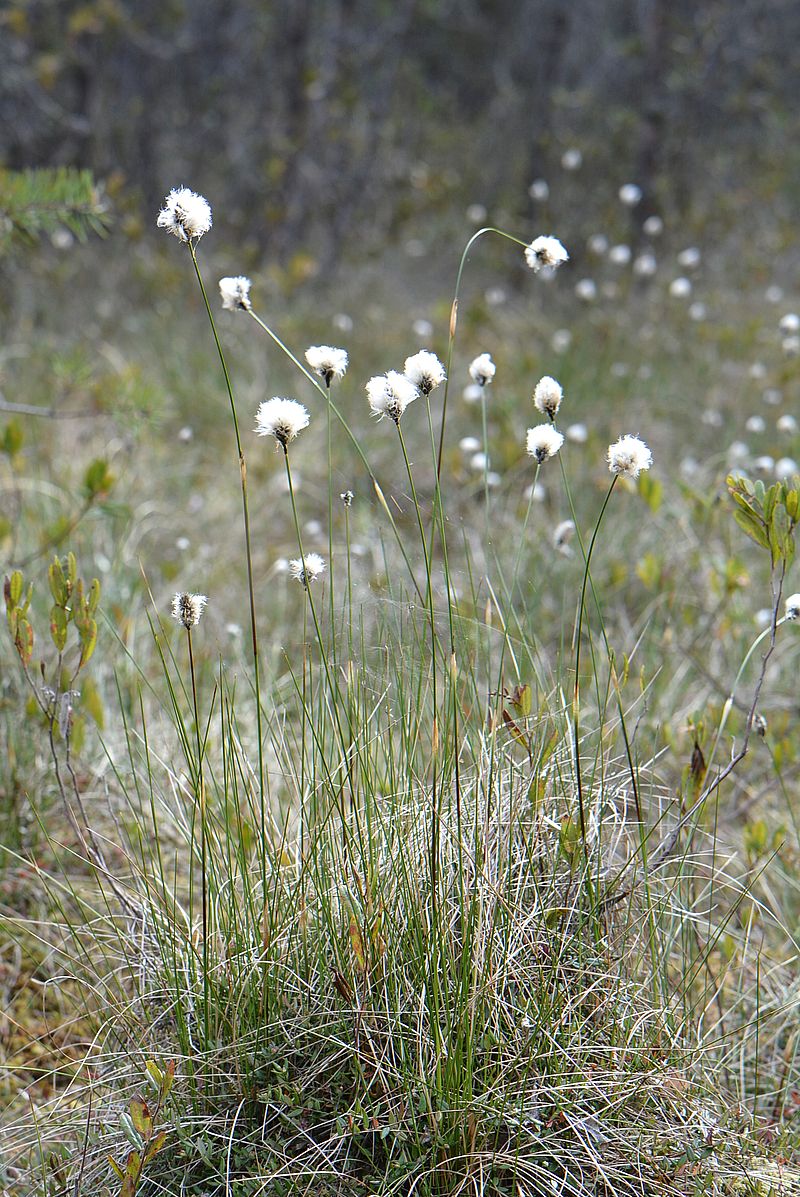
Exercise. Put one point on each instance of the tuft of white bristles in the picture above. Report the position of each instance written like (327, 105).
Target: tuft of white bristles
(543, 442)
(629, 456)
(327, 362)
(185, 214)
(187, 609)
(235, 293)
(545, 252)
(389, 394)
(307, 569)
(424, 371)
(281, 418)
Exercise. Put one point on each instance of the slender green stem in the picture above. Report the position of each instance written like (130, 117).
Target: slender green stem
(201, 804)
(249, 557)
(352, 436)
(453, 323)
(578, 637)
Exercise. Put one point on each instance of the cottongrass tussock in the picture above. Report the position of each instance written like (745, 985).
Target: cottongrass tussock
(629, 456)
(545, 253)
(326, 361)
(547, 396)
(307, 569)
(482, 369)
(185, 214)
(425, 371)
(282, 418)
(543, 442)
(235, 293)
(389, 395)
(187, 609)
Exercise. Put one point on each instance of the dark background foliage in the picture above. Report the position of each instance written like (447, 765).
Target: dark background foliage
(321, 122)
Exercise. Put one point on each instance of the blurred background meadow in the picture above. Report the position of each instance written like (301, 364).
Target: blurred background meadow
(397, 913)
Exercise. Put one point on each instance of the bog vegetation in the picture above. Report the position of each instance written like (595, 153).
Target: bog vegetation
(399, 736)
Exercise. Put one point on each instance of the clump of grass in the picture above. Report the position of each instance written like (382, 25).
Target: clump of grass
(408, 908)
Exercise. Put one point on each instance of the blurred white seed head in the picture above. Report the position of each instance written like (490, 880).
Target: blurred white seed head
(629, 456)
(390, 394)
(785, 468)
(620, 255)
(187, 609)
(562, 535)
(697, 312)
(472, 393)
(758, 370)
(572, 159)
(185, 214)
(482, 369)
(543, 442)
(281, 418)
(479, 462)
(586, 289)
(476, 213)
(653, 226)
(578, 434)
(630, 194)
(469, 444)
(539, 190)
(645, 265)
(424, 371)
(545, 251)
(680, 288)
(235, 293)
(347, 497)
(561, 340)
(765, 464)
(422, 328)
(791, 346)
(738, 451)
(790, 323)
(773, 293)
(787, 424)
(547, 396)
(597, 244)
(308, 572)
(755, 424)
(689, 258)
(773, 396)
(793, 606)
(327, 362)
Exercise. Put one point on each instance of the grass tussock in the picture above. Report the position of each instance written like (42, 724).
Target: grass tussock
(403, 893)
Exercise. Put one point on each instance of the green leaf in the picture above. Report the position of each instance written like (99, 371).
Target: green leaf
(98, 479)
(23, 639)
(12, 439)
(153, 1070)
(58, 585)
(116, 1167)
(140, 1117)
(155, 1146)
(88, 635)
(58, 626)
(12, 588)
(753, 527)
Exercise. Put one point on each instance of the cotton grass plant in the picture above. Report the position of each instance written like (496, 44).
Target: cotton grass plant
(406, 906)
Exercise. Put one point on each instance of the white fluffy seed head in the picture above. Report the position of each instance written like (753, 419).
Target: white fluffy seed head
(629, 456)
(424, 371)
(793, 606)
(307, 573)
(389, 394)
(547, 396)
(482, 369)
(185, 214)
(235, 293)
(790, 323)
(562, 535)
(545, 251)
(543, 441)
(281, 418)
(187, 609)
(327, 362)
(630, 194)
